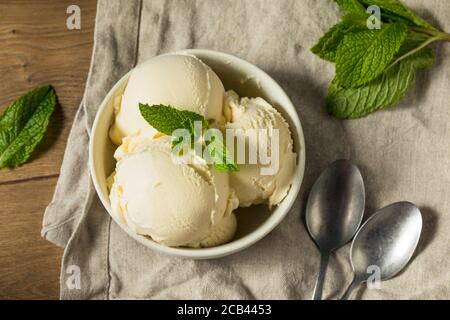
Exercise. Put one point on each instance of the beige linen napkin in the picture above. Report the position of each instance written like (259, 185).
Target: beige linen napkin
(404, 154)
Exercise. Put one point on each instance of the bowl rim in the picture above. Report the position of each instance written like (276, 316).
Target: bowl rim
(235, 245)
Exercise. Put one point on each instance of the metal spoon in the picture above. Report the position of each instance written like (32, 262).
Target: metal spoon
(334, 212)
(386, 242)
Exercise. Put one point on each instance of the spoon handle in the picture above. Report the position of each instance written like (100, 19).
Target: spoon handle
(324, 258)
(350, 289)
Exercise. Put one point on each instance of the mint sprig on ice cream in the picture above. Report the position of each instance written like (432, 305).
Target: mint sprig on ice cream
(167, 120)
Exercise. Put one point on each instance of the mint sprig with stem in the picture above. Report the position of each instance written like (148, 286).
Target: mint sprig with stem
(375, 68)
(167, 119)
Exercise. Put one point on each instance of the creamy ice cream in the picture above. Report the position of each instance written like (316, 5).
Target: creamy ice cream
(181, 81)
(251, 186)
(221, 233)
(190, 204)
(175, 204)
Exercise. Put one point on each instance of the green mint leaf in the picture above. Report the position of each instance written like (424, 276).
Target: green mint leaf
(422, 59)
(375, 68)
(356, 20)
(352, 6)
(362, 56)
(23, 125)
(396, 11)
(380, 93)
(328, 44)
(226, 167)
(220, 156)
(389, 17)
(167, 119)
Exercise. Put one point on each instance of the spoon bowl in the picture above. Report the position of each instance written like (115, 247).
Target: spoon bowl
(386, 242)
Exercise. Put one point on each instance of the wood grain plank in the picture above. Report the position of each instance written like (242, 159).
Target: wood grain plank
(38, 49)
(29, 265)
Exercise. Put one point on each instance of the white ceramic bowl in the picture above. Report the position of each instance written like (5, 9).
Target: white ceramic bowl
(253, 223)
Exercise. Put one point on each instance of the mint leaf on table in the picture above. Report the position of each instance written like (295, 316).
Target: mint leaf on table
(327, 46)
(385, 91)
(376, 68)
(352, 6)
(363, 55)
(397, 11)
(167, 119)
(393, 10)
(23, 125)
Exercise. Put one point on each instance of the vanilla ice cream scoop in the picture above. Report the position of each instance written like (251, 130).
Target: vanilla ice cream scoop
(223, 232)
(173, 203)
(252, 185)
(182, 81)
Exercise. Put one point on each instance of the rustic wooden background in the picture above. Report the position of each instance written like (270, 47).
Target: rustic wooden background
(37, 48)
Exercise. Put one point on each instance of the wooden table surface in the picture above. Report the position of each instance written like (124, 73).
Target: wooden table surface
(37, 48)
